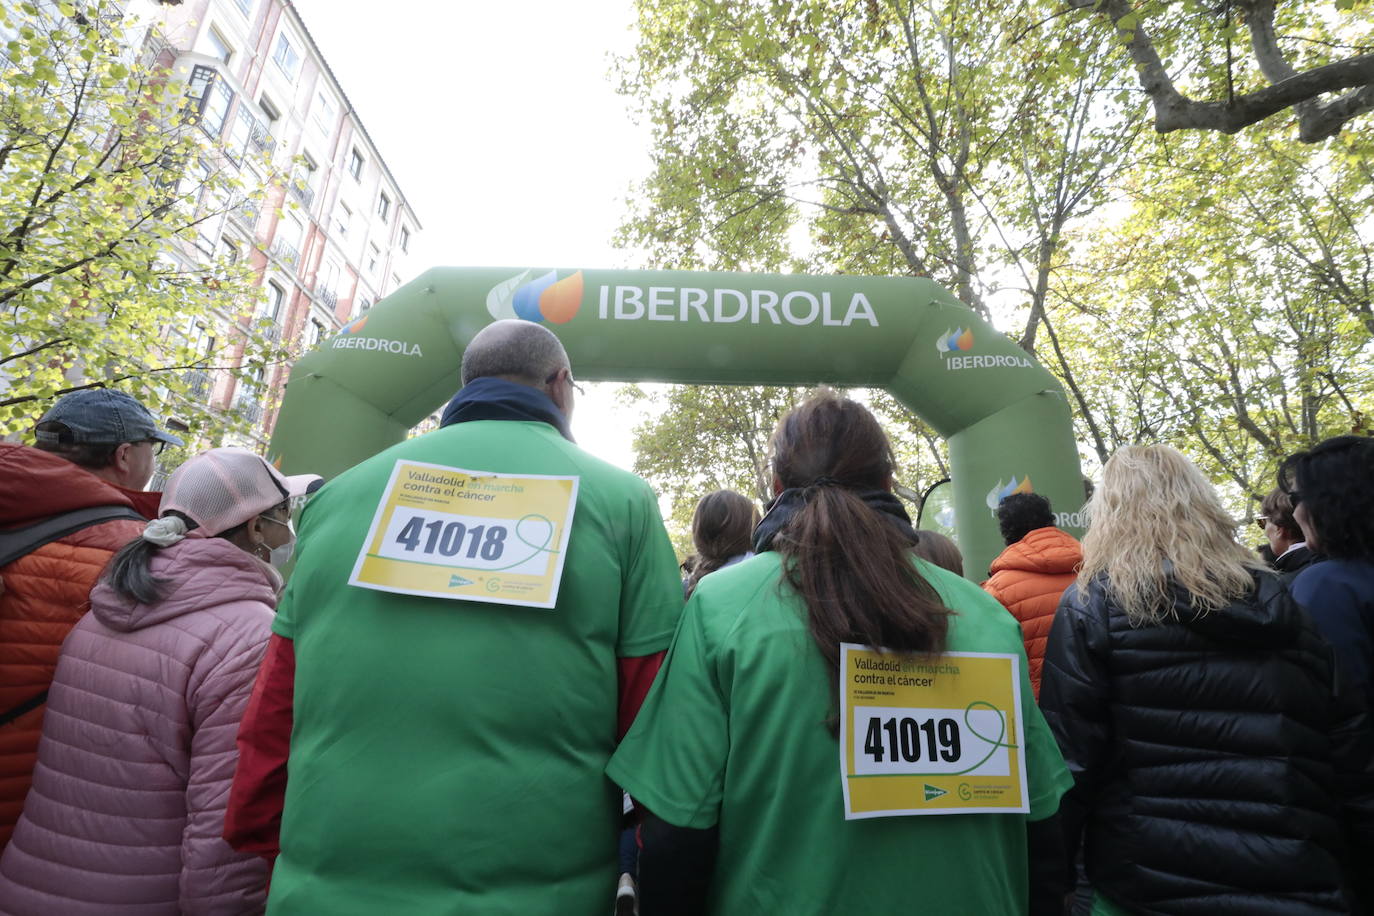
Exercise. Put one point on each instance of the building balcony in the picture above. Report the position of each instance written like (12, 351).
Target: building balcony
(269, 332)
(248, 408)
(285, 252)
(262, 142)
(247, 213)
(302, 193)
(198, 383)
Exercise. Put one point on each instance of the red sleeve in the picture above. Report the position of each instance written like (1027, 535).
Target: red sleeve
(252, 822)
(636, 677)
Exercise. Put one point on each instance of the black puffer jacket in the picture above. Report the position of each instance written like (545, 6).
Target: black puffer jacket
(1214, 772)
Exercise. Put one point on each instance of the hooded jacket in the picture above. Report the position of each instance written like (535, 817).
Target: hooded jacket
(1029, 578)
(1215, 771)
(127, 806)
(44, 595)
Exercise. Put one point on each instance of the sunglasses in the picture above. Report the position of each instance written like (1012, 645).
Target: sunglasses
(1261, 521)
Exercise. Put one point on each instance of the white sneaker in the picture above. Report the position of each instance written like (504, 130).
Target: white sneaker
(626, 897)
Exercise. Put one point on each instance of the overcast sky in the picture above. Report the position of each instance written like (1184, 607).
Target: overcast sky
(502, 126)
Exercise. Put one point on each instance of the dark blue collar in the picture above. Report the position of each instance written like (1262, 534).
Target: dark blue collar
(498, 399)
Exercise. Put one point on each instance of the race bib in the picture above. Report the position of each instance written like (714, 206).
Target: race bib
(930, 736)
(472, 535)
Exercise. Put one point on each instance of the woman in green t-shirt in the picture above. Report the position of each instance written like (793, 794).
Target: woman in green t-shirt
(735, 750)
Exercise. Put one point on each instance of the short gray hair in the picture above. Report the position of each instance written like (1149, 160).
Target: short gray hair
(519, 350)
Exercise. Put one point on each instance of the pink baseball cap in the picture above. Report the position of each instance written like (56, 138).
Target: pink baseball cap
(222, 488)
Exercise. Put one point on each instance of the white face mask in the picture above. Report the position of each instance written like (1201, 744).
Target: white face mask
(280, 556)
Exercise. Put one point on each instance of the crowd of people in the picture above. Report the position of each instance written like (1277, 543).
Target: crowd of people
(184, 731)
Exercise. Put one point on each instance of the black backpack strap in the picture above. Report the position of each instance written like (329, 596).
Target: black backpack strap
(28, 705)
(19, 542)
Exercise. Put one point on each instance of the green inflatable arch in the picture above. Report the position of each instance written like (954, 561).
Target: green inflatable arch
(1005, 417)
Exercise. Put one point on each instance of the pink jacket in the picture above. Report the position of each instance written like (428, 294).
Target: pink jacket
(127, 807)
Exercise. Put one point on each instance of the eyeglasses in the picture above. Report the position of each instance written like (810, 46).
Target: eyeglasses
(157, 445)
(576, 387)
(1261, 521)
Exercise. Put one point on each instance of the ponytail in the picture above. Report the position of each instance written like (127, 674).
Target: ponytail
(129, 573)
(851, 566)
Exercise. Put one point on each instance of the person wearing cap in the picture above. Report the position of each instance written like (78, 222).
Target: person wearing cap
(447, 754)
(66, 506)
(126, 812)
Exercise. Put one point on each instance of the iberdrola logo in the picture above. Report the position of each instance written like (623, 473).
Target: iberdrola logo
(542, 298)
(1002, 491)
(955, 341)
(354, 326)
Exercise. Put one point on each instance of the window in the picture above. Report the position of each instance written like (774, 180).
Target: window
(405, 239)
(229, 251)
(374, 257)
(324, 111)
(210, 97)
(364, 304)
(384, 207)
(355, 165)
(217, 47)
(314, 333)
(246, 127)
(395, 282)
(276, 297)
(245, 6)
(343, 219)
(287, 58)
(270, 110)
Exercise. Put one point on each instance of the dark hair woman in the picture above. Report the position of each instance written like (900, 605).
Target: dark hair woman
(1215, 769)
(1331, 490)
(722, 532)
(735, 751)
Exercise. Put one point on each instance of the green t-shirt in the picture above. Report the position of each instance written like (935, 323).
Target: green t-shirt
(735, 733)
(447, 756)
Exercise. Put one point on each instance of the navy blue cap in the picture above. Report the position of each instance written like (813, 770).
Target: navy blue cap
(99, 416)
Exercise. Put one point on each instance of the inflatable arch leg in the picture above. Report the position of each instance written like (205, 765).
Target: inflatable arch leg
(1005, 417)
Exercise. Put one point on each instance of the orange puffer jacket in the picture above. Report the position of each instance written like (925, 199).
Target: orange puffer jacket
(44, 595)
(1029, 578)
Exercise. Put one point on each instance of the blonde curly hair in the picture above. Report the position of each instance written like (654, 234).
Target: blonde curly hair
(1156, 520)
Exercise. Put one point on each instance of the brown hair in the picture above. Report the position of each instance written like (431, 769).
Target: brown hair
(940, 550)
(852, 569)
(1278, 508)
(722, 527)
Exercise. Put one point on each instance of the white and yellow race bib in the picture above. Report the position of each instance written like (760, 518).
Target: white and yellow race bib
(930, 736)
(472, 535)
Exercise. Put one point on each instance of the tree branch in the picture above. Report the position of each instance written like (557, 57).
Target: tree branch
(1288, 89)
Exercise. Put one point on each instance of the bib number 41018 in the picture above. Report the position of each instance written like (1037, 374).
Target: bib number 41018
(426, 537)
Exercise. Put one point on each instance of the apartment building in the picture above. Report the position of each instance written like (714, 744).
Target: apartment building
(326, 243)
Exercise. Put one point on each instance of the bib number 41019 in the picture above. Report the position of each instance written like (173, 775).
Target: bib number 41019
(912, 739)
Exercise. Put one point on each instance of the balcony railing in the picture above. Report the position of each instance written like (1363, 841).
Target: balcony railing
(269, 332)
(285, 252)
(329, 299)
(198, 383)
(303, 193)
(262, 142)
(249, 408)
(247, 213)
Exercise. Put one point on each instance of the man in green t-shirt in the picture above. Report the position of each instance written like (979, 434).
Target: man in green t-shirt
(446, 754)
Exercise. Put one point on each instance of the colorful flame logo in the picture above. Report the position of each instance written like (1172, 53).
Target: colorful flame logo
(542, 298)
(354, 326)
(955, 341)
(1002, 491)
